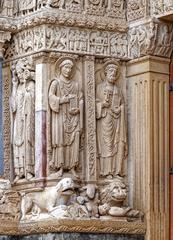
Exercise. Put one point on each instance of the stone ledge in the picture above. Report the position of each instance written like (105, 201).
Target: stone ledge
(74, 236)
(70, 225)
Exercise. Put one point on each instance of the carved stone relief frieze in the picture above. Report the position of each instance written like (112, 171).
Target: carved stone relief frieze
(153, 38)
(71, 6)
(105, 15)
(68, 40)
(112, 8)
(116, 8)
(136, 9)
(6, 8)
(97, 7)
(161, 6)
(9, 202)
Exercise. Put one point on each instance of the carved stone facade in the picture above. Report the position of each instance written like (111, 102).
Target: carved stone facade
(77, 133)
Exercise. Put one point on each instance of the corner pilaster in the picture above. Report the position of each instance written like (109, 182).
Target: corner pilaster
(148, 84)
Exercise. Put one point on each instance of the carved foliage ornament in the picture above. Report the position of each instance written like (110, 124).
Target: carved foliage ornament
(136, 9)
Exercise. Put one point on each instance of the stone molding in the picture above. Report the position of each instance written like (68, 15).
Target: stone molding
(83, 226)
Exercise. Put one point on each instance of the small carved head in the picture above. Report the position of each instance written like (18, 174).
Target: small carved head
(112, 71)
(66, 68)
(24, 70)
(65, 185)
(114, 193)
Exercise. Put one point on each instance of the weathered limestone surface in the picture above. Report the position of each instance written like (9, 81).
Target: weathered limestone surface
(84, 119)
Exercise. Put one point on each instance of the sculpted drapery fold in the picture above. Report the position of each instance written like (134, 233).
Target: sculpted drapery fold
(23, 117)
(66, 103)
(111, 125)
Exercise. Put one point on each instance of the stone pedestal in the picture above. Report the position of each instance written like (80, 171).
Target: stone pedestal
(148, 84)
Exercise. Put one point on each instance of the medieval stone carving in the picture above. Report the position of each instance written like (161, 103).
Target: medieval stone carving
(82, 148)
(158, 7)
(66, 103)
(152, 38)
(111, 126)
(56, 38)
(118, 45)
(116, 8)
(4, 36)
(6, 7)
(71, 6)
(90, 198)
(112, 197)
(25, 6)
(97, 7)
(51, 201)
(22, 108)
(9, 202)
(69, 39)
(99, 43)
(90, 123)
(65, 200)
(136, 9)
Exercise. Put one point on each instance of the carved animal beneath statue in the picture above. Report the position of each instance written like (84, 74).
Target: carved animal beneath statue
(112, 199)
(47, 200)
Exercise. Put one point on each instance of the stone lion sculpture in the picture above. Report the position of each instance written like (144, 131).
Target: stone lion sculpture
(112, 199)
(47, 200)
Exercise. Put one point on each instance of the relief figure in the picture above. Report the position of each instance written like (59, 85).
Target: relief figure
(111, 129)
(23, 108)
(6, 8)
(66, 104)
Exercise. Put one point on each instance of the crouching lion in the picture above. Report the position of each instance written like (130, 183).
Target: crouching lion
(47, 200)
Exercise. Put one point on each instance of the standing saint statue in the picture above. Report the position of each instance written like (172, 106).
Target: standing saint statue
(66, 104)
(111, 126)
(23, 118)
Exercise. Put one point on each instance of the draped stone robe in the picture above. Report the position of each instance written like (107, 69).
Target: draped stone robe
(65, 129)
(23, 108)
(111, 131)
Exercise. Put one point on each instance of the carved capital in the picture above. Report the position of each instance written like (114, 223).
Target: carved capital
(4, 36)
(152, 38)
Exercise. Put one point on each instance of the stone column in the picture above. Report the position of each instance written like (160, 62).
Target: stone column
(41, 79)
(148, 86)
(90, 118)
(4, 36)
